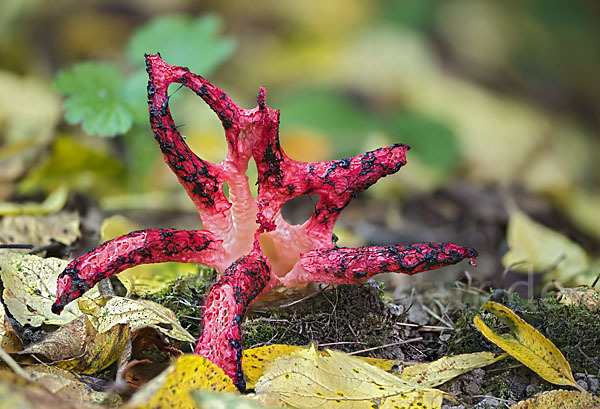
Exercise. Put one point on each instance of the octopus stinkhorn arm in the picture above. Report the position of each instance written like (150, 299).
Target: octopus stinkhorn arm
(226, 304)
(246, 237)
(132, 249)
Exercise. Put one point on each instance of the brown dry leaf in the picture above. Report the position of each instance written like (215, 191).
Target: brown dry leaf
(431, 374)
(9, 339)
(105, 313)
(256, 360)
(141, 364)
(307, 379)
(528, 346)
(66, 385)
(17, 392)
(580, 295)
(64, 343)
(30, 289)
(559, 399)
(40, 230)
(171, 388)
(77, 346)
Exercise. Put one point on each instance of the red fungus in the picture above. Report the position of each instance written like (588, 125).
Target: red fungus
(247, 238)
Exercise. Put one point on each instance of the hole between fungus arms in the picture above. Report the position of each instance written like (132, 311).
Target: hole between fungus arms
(299, 209)
(197, 124)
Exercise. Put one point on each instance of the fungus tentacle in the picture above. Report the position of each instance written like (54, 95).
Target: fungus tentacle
(132, 249)
(353, 265)
(220, 339)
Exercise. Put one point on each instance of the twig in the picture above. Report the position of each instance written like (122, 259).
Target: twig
(387, 345)
(16, 246)
(341, 343)
(14, 365)
(436, 316)
(507, 401)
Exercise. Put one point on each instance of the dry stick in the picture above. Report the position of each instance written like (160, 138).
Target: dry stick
(341, 343)
(436, 316)
(17, 246)
(387, 345)
(14, 365)
(425, 327)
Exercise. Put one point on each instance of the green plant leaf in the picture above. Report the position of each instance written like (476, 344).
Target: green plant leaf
(181, 40)
(329, 112)
(433, 141)
(96, 98)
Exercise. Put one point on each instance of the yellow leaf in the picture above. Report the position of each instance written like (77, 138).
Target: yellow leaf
(146, 278)
(171, 388)
(52, 204)
(30, 289)
(534, 247)
(105, 314)
(256, 360)
(528, 346)
(220, 400)
(431, 374)
(307, 379)
(559, 399)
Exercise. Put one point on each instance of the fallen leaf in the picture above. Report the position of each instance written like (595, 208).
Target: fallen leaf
(147, 278)
(256, 360)
(171, 388)
(214, 400)
(580, 295)
(30, 289)
(66, 385)
(528, 346)
(431, 374)
(143, 363)
(536, 248)
(66, 342)
(83, 167)
(52, 204)
(40, 230)
(307, 379)
(9, 339)
(559, 399)
(78, 347)
(29, 109)
(106, 313)
(17, 392)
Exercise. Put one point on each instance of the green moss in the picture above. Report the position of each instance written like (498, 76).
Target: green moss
(348, 317)
(185, 297)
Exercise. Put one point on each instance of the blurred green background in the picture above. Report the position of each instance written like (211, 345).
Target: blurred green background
(486, 93)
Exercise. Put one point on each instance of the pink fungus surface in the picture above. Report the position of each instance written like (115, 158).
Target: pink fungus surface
(245, 237)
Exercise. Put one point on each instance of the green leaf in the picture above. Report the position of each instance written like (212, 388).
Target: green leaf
(433, 141)
(96, 98)
(181, 40)
(329, 112)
